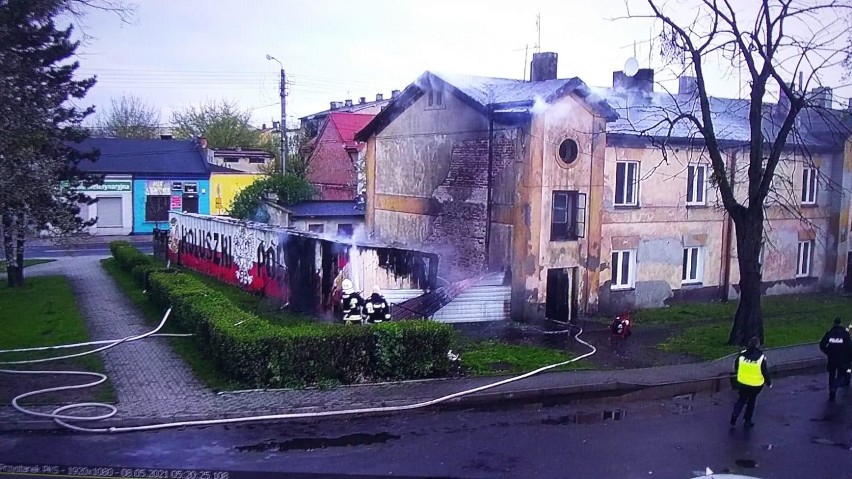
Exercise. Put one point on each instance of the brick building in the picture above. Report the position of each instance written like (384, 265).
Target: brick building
(336, 158)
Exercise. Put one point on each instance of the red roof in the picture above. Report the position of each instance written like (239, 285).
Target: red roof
(348, 124)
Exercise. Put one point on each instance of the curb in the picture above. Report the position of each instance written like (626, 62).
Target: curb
(483, 400)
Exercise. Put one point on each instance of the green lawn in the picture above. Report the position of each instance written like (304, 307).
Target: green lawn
(788, 320)
(44, 313)
(27, 262)
(485, 358)
(185, 347)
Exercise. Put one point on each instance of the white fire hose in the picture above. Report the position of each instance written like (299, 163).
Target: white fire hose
(112, 410)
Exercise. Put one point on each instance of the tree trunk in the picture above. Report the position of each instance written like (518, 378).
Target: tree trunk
(9, 248)
(22, 232)
(748, 322)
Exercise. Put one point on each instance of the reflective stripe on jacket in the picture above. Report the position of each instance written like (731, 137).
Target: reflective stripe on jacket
(749, 373)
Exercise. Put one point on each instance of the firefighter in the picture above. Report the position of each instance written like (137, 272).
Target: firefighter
(752, 373)
(836, 344)
(377, 307)
(353, 304)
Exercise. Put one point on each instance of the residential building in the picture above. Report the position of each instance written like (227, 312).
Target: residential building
(166, 175)
(341, 219)
(311, 124)
(564, 188)
(225, 184)
(247, 160)
(336, 158)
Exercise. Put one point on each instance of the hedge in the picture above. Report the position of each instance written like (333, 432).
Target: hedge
(257, 353)
(129, 257)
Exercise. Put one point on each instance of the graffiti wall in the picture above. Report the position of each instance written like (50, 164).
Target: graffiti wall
(302, 269)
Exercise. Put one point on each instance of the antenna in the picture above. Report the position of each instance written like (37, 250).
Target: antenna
(526, 55)
(538, 29)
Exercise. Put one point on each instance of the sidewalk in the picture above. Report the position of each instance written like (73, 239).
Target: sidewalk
(153, 385)
(85, 240)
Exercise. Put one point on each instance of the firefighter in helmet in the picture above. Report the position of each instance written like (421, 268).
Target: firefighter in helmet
(352, 303)
(377, 307)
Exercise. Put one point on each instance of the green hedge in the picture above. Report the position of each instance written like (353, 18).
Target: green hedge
(129, 257)
(258, 353)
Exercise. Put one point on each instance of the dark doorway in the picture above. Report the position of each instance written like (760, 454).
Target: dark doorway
(848, 273)
(190, 203)
(561, 300)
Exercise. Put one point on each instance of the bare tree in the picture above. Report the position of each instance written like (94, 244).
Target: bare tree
(129, 117)
(791, 43)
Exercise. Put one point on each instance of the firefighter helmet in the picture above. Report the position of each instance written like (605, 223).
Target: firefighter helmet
(347, 286)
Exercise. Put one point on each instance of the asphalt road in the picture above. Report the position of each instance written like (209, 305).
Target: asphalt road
(85, 249)
(798, 435)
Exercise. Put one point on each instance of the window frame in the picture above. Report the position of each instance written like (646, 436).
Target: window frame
(690, 253)
(168, 203)
(809, 178)
(692, 186)
(800, 260)
(625, 188)
(617, 282)
(318, 228)
(575, 216)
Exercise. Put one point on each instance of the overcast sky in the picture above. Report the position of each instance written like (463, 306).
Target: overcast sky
(176, 53)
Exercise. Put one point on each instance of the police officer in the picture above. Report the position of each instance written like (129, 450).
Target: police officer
(836, 344)
(352, 303)
(752, 373)
(376, 307)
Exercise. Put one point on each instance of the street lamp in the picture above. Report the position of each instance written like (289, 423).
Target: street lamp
(283, 124)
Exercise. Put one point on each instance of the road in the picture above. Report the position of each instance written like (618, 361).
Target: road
(97, 248)
(798, 435)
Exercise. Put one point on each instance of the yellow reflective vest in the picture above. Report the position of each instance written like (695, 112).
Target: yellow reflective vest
(749, 372)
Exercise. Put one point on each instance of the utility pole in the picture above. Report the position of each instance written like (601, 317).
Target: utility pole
(285, 150)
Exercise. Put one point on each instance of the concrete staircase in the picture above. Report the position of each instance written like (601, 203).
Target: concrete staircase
(487, 300)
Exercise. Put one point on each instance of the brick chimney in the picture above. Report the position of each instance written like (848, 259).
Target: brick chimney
(643, 80)
(332, 105)
(348, 102)
(394, 93)
(821, 97)
(543, 66)
(202, 141)
(379, 97)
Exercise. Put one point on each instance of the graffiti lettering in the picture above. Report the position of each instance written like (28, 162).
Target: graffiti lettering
(267, 260)
(205, 245)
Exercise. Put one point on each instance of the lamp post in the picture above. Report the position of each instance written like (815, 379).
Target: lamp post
(283, 124)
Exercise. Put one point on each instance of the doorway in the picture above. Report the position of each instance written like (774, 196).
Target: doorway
(848, 282)
(561, 300)
(190, 203)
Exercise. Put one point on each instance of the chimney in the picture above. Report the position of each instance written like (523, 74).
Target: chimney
(202, 141)
(783, 100)
(263, 126)
(332, 105)
(394, 94)
(821, 97)
(643, 80)
(543, 66)
(849, 106)
(349, 102)
(275, 125)
(362, 100)
(379, 97)
(687, 85)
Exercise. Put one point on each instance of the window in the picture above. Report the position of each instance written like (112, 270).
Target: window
(692, 265)
(344, 230)
(568, 216)
(696, 184)
(231, 159)
(157, 207)
(809, 186)
(435, 98)
(626, 184)
(804, 259)
(257, 159)
(568, 151)
(623, 269)
(316, 228)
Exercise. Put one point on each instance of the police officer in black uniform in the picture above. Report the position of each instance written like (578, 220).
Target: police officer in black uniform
(837, 345)
(377, 307)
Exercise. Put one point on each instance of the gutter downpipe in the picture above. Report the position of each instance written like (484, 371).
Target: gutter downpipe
(727, 229)
(489, 188)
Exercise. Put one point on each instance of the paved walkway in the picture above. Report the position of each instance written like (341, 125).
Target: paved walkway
(154, 385)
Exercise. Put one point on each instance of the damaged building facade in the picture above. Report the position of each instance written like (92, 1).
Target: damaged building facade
(563, 188)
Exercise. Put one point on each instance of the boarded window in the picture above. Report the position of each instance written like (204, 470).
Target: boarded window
(157, 207)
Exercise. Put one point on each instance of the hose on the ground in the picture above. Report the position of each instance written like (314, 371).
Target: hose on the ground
(62, 418)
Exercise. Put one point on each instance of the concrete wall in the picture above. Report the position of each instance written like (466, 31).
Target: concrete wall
(224, 188)
(329, 224)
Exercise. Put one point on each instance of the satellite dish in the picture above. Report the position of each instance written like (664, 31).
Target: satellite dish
(631, 66)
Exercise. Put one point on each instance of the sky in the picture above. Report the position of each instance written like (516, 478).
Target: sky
(177, 53)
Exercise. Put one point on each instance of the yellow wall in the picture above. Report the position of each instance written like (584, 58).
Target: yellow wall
(224, 187)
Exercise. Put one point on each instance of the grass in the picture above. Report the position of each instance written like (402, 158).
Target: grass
(186, 348)
(788, 320)
(27, 262)
(486, 358)
(44, 312)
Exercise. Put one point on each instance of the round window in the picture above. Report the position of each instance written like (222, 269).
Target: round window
(568, 151)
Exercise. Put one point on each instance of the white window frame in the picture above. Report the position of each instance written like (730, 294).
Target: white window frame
(619, 280)
(689, 276)
(805, 259)
(809, 185)
(693, 188)
(628, 165)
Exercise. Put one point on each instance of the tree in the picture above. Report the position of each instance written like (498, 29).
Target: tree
(288, 189)
(774, 42)
(222, 123)
(129, 117)
(38, 118)
(300, 155)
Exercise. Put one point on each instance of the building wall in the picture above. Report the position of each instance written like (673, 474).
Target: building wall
(329, 225)
(141, 188)
(114, 186)
(427, 181)
(331, 170)
(224, 188)
(242, 164)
